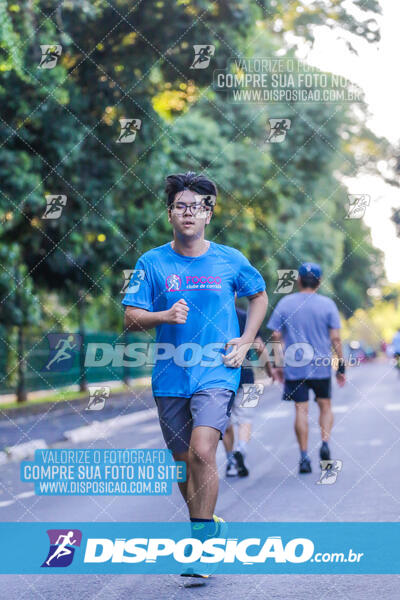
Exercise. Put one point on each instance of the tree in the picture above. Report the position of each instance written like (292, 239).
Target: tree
(280, 204)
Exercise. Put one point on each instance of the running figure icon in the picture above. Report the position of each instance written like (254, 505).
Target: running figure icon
(62, 549)
(63, 345)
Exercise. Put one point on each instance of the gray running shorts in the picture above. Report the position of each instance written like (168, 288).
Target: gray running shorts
(178, 416)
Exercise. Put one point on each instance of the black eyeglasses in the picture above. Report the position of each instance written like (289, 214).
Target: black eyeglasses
(195, 209)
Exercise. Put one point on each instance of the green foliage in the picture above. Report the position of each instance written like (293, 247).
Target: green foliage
(10, 42)
(379, 322)
(279, 203)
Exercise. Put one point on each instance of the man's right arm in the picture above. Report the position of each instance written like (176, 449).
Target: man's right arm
(139, 319)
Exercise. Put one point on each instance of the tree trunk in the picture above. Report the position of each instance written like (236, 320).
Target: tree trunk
(125, 372)
(21, 386)
(81, 314)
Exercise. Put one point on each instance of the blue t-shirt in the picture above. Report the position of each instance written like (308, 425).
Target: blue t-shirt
(208, 283)
(304, 320)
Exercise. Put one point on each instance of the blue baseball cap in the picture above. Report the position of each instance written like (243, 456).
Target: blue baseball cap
(310, 270)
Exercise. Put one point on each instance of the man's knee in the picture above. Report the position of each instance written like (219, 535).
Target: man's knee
(301, 408)
(324, 405)
(201, 452)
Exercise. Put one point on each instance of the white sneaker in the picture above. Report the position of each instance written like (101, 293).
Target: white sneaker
(231, 468)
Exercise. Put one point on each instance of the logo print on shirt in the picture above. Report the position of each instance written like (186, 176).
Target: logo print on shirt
(193, 282)
(173, 282)
(207, 282)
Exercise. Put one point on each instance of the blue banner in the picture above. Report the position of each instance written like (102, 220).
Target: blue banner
(102, 472)
(250, 548)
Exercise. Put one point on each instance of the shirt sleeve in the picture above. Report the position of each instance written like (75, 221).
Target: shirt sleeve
(140, 291)
(248, 280)
(333, 317)
(276, 320)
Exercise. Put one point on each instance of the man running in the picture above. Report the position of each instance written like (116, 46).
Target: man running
(188, 295)
(241, 416)
(309, 325)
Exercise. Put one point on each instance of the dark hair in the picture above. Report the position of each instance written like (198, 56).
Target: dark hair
(309, 281)
(190, 181)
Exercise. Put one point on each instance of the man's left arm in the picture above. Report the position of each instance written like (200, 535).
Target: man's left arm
(336, 341)
(258, 304)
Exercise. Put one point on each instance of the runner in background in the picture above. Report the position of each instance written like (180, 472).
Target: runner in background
(309, 325)
(396, 343)
(396, 349)
(242, 416)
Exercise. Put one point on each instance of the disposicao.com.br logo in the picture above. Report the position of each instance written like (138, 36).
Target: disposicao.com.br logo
(247, 548)
(214, 550)
(169, 547)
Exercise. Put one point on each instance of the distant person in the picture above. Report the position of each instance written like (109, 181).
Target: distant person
(308, 318)
(396, 344)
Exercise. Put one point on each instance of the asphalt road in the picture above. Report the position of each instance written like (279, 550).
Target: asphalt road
(366, 437)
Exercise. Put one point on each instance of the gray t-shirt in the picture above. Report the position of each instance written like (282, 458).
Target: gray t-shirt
(304, 320)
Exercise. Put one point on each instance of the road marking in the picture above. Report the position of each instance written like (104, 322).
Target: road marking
(340, 409)
(25, 494)
(374, 442)
(277, 414)
(392, 407)
(149, 443)
(17, 497)
(25, 450)
(150, 428)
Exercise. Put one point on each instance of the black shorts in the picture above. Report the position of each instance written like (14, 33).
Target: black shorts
(297, 389)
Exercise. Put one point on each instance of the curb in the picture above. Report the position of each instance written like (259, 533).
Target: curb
(94, 431)
(25, 450)
(38, 408)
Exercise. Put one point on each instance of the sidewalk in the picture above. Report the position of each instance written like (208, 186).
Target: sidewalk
(42, 425)
(141, 381)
